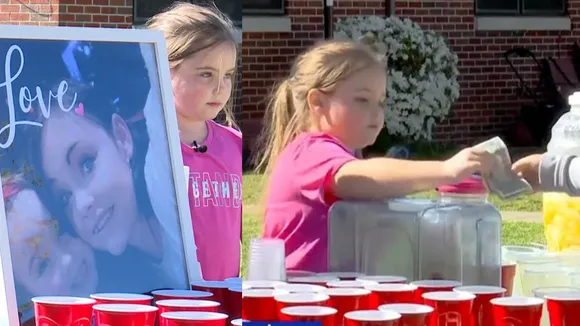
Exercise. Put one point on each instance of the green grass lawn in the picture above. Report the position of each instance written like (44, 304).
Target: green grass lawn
(513, 232)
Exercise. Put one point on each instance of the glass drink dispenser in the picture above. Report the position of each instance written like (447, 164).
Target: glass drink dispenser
(460, 237)
(376, 238)
(456, 237)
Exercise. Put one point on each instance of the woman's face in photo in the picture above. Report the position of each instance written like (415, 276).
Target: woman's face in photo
(43, 261)
(89, 173)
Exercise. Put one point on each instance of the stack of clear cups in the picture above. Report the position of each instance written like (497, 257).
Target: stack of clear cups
(267, 260)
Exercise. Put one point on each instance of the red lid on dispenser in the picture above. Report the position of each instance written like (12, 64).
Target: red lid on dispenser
(470, 186)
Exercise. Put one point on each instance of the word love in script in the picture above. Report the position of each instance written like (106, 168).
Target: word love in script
(27, 98)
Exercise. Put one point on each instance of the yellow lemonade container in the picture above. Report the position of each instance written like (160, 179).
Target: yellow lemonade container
(562, 212)
(562, 222)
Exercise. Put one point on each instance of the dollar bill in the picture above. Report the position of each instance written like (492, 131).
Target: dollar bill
(502, 181)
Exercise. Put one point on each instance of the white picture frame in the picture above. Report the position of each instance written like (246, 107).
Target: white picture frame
(8, 302)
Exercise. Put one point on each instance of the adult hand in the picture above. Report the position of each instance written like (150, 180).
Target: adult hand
(528, 168)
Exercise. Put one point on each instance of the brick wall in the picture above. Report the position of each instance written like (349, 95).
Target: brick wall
(34, 12)
(82, 13)
(266, 56)
(488, 101)
(96, 13)
(354, 8)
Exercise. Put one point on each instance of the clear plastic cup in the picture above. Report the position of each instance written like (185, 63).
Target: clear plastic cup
(570, 258)
(524, 262)
(545, 275)
(516, 253)
(267, 260)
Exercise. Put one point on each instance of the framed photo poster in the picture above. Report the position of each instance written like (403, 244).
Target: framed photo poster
(94, 195)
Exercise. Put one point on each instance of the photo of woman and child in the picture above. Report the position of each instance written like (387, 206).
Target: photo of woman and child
(89, 194)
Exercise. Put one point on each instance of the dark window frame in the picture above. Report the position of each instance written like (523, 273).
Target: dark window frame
(276, 8)
(142, 20)
(521, 12)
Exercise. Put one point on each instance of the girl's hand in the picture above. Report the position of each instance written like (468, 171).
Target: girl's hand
(528, 168)
(467, 162)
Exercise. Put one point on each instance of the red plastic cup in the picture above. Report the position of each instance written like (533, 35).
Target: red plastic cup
(187, 305)
(63, 310)
(427, 286)
(482, 312)
(343, 276)
(350, 284)
(347, 299)
(391, 293)
(451, 308)
(218, 288)
(237, 322)
(301, 299)
(301, 288)
(194, 318)
(509, 311)
(563, 308)
(262, 284)
(125, 314)
(383, 279)
(181, 294)
(126, 298)
(508, 274)
(325, 315)
(316, 280)
(371, 318)
(259, 305)
(234, 307)
(411, 314)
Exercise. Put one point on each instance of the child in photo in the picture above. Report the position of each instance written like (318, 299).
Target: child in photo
(202, 54)
(46, 259)
(330, 105)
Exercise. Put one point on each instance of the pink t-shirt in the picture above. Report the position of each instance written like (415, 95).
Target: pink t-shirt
(297, 205)
(215, 201)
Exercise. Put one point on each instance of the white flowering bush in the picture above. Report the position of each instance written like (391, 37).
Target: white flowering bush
(421, 68)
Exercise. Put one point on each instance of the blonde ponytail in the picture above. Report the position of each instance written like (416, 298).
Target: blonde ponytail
(321, 67)
(278, 131)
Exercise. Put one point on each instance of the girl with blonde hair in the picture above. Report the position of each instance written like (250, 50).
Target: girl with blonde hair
(330, 106)
(202, 52)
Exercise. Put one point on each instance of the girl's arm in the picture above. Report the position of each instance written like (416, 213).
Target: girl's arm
(381, 178)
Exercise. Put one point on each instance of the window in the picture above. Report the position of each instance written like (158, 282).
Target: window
(145, 9)
(521, 7)
(263, 7)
